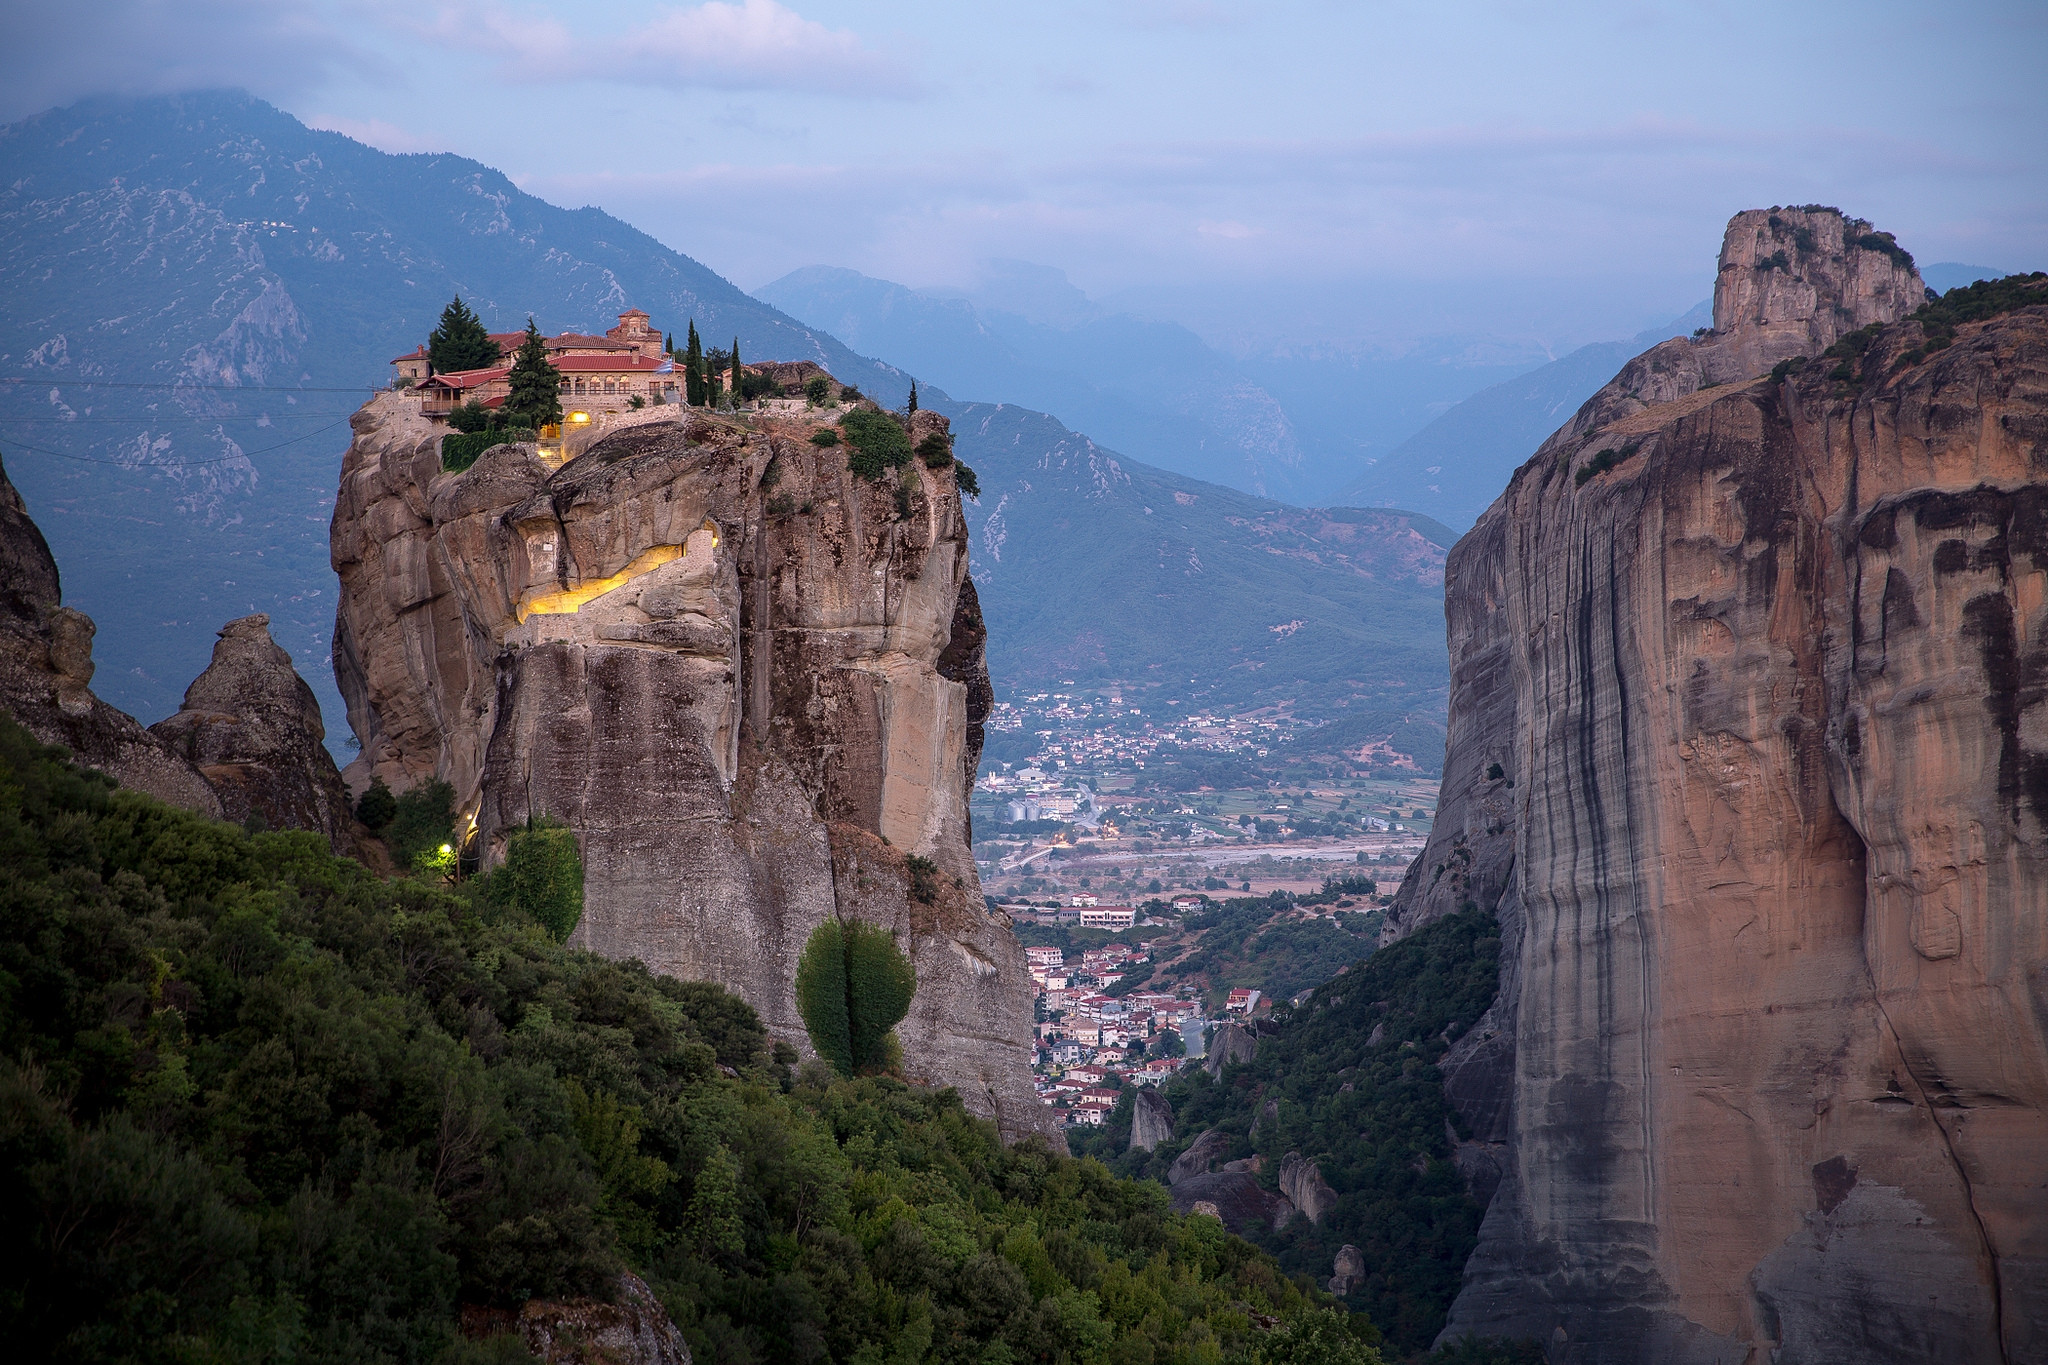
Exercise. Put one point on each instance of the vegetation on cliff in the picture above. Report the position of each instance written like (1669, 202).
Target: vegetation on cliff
(260, 1105)
(853, 985)
(1349, 1080)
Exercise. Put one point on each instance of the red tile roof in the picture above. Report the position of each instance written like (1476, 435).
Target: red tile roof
(469, 379)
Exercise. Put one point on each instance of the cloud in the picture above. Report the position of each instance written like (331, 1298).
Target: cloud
(276, 48)
(752, 45)
(375, 132)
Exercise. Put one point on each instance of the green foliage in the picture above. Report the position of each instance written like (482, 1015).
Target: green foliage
(936, 451)
(924, 878)
(1885, 244)
(853, 985)
(912, 405)
(878, 442)
(1382, 1143)
(536, 397)
(472, 417)
(378, 806)
(543, 876)
(422, 820)
(1973, 302)
(825, 436)
(818, 389)
(1322, 1338)
(460, 341)
(460, 451)
(964, 477)
(256, 1104)
(693, 369)
(1777, 260)
(1603, 461)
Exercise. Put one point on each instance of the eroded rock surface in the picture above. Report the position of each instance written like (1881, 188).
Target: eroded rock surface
(1151, 1120)
(751, 681)
(1303, 1184)
(252, 727)
(634, 1329)
(1767, 837)
(1231, 1044)
(46, 672)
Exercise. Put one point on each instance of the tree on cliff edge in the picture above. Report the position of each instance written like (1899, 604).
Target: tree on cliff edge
(739, 391)
(693, 369)
(460, 342)
(536, 397)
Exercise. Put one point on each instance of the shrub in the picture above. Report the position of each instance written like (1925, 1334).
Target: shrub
(936, 451)
(1885, 244)
(818, 389)
(542, 875)
(377, 806)
(853, 985)
(1602, 462)
(1775, 261)
(924, 878)
(460, 452)
(472, 417)
(964, 476)
(422, 820)
(879, 444)
(826, 437)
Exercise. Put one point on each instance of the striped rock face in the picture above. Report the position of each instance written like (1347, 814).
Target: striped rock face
(1763, 664)
(752, 682)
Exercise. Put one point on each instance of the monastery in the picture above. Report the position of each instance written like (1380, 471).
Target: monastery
(629, 360)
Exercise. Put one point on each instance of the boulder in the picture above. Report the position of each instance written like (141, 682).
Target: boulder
(1303, 1184)
(634, 1329)
(1348, 1270)
(1241, 1202)
(1204, 1152)
(1151, 1120)
(252, 727)
(1231, 1044)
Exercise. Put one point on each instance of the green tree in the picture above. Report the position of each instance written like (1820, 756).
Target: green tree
(738, 374)
(423, 819)
(536, 397)
(543, 875)
(913, 396)
(460, 342)
(377, 807)
(693, 369)
(853, 985)
(817, 389)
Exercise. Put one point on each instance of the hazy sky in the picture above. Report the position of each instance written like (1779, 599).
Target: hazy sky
(1296, 170)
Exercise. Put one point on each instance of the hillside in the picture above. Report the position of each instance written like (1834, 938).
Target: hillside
(1096, 569)
(262, 1106)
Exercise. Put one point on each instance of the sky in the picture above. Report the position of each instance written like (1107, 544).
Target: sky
(1282, 176)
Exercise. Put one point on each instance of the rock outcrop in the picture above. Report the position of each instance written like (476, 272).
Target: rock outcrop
(632, 1330)
(252, 727)
(1347, 1269)
(749, 679)
(46, 673)
(1151, 1120)
(1749, 755)
(1231, 1044)
(1239, 1200)
(1303, 1184)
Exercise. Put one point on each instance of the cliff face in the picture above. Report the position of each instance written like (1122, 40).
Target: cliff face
(751, 681)
(1768, 839)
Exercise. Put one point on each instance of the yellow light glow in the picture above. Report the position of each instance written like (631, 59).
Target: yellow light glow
(446, 850)
(579, 418)
(570, 600)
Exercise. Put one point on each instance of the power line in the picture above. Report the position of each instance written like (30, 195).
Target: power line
(154, 419)
(182, 464)
(189, 388)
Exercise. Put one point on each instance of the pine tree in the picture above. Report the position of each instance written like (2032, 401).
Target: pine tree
(460, 342)
(738, 392)
(913, 395)
(536, 398)
(693, 369)
(668, 345)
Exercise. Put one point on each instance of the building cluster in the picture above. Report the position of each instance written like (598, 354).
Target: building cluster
(629, 361)
(1032, 794)
(1076, 733)
(1090, 1043)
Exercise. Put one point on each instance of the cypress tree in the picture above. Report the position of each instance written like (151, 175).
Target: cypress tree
(737, 392)
(693, 369)
(913, 395)
(536, 397)
(460, 342)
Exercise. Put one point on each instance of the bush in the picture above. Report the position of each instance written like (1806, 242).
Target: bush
(879, 443)
(459, 452)
(543, 876)
(853, 985)
(472, 417)
(422, 820)
(964, 477)
(818, 389)
(1603, 461)
(825, 437)
(377, 807)
(936, 451)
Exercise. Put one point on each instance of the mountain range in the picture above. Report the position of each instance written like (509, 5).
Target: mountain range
(203, 290)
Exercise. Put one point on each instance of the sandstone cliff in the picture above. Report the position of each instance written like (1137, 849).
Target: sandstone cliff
(1749, 753)
(750, 680)
(252, 727)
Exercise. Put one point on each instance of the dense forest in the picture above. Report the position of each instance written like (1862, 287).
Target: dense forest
(1349, 1080)
(260, 1105)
